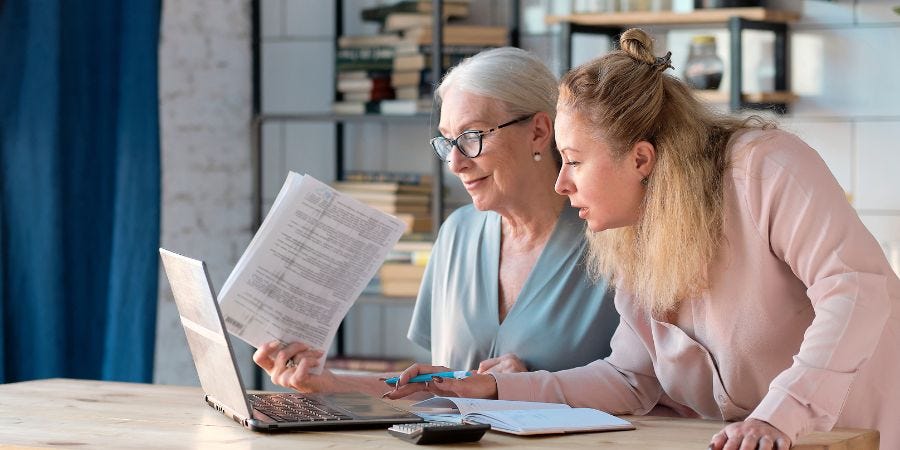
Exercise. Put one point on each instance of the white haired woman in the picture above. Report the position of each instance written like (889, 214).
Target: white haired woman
(505, 288)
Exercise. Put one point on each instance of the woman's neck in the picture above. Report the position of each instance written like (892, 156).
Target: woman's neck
(530, 222)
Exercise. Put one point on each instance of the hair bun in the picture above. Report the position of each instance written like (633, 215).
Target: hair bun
(638, 45)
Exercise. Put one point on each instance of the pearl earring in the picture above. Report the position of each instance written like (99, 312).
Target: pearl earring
(537, 156)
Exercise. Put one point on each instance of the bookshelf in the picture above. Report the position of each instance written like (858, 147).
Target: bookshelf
(436, 170)
(735, 19)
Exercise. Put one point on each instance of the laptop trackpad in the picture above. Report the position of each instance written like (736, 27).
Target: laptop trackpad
(363, 406)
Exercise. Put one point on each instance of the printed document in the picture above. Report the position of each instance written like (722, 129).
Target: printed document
(309, 261)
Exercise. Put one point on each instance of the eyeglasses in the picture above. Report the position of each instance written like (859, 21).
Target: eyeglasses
(469, 142)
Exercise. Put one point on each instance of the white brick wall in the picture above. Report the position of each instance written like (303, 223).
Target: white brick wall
(207, 177)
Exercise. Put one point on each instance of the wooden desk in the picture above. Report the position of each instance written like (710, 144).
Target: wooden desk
(78, 413)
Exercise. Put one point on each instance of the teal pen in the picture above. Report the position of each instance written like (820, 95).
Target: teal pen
(459, 374)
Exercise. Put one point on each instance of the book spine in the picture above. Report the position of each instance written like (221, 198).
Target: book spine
(365, 58)
(397, 177)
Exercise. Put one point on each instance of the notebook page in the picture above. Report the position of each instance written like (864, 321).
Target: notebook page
(547, 421)
(469, 405)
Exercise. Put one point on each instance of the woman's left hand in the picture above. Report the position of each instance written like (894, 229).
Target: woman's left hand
(507, 363)
(750, 434)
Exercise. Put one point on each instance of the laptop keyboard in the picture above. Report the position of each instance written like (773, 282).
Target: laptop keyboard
(287, 407)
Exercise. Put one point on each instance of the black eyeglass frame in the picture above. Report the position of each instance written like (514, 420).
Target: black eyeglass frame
(479, 133)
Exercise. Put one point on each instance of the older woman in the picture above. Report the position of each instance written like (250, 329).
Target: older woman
(505, 288)
(748, 288)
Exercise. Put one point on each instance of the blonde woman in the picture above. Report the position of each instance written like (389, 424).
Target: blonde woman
(511, 260)
(749, 290)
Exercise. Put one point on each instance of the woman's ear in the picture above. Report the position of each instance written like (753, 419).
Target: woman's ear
(643, 155)
(542, 135)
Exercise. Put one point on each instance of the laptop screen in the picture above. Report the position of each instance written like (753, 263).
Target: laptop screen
(202, 321)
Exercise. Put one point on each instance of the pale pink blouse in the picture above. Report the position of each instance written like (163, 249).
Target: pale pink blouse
(801, 327)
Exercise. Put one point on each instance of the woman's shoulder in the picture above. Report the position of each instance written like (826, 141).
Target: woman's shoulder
(765, 152)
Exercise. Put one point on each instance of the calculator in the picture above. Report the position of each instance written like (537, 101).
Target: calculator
(438, 432)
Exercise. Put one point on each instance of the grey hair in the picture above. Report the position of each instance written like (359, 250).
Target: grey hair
(514, 76)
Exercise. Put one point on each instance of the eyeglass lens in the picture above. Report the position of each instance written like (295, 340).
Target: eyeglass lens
(469, 143)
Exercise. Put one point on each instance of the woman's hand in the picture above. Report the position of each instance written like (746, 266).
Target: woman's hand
(476, 386)
(749, 435)
(507, 363)
(289, 366)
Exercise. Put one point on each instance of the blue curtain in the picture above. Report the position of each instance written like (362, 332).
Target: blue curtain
(80, 179)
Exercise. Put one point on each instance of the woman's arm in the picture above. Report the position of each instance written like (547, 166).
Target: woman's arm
(623, 383)
(802, 213)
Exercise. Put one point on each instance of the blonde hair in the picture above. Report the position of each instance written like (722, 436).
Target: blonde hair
(515, 77)
(664, 257)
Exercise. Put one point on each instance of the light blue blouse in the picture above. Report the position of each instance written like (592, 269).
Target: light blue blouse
(560, 319)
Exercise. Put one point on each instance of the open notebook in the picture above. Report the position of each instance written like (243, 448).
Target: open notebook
(517, 417)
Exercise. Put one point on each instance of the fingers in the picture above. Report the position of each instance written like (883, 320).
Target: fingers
(733, 442)
(404, 387)
(487, 364)
(417, 369)
(263, 355)
(300, 378)
(751, 434)
(296, 358)
(765, 443)
(296, 374)
(749, 442)
(506, 363)
(405, 390)
(718, 441)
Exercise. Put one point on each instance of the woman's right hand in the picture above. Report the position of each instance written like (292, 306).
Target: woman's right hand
(290, 366)
(475, 386)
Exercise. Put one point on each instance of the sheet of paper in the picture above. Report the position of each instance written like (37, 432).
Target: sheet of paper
(311, 258)
(468, 405)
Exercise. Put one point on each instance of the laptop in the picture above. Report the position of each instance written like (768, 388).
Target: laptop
(221, 381)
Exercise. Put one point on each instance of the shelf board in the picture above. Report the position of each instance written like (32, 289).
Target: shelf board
(377, 299)
(331, 117)
(757, 97)
(698, 17)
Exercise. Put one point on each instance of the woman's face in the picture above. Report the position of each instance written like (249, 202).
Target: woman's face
(499, 175)
(607, 191)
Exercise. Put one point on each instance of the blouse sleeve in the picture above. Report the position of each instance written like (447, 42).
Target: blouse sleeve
(623, 383)
(803, 214)
(420, 324)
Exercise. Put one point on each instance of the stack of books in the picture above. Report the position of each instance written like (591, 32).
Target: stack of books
(409, 202)
(397, 61)
(407, 196)
(401, 274)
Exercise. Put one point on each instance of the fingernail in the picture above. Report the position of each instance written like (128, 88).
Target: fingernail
(437, 379)
(386, 394)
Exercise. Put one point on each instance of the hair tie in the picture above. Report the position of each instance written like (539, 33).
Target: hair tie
(663, 62)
